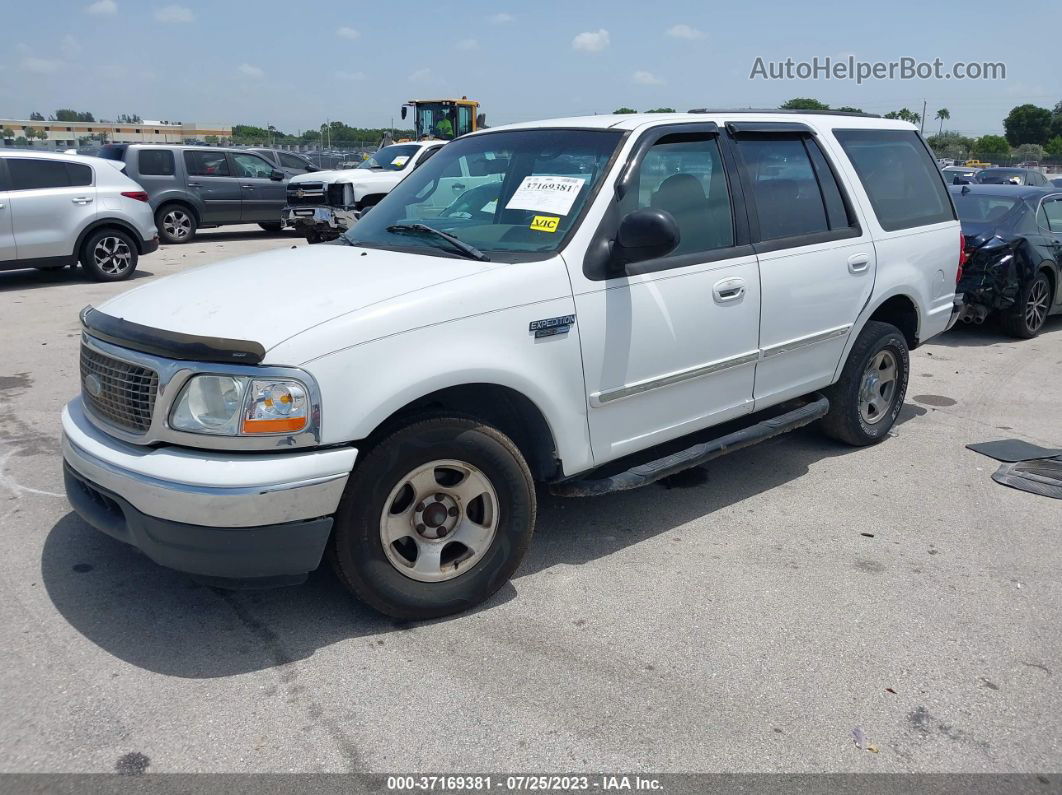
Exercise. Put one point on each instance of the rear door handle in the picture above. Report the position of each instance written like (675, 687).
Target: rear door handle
(247, 187)
(857, 263)
(194, 185)
(729, 290)
(81, 199)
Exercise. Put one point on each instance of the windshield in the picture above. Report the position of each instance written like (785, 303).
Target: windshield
(997, 176)
(391, 158)
(514, 191)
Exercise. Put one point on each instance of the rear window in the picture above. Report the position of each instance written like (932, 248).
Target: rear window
(900, 177)
(155, 162)
(981, 209)
(206, 164)
(31, 174)
(112, 152)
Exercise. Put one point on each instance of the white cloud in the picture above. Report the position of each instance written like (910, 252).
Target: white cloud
(254, 72)
(468, 44)
(348, 33)
(102, 7)
(501, 19)
(174, 13)
(684, 32)
(40, 66)
(341, 75)
(643, 78)
(591, 41)
(421, 76)
(69, 46)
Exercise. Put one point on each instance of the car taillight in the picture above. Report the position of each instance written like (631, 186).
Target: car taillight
(962, 257)
(139, 195)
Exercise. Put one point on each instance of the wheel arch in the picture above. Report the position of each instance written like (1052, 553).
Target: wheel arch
(898, 308)
(108, 223)
(184, 201)
(503, 407)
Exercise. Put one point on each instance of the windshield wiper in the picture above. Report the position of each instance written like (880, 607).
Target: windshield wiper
(423, 229)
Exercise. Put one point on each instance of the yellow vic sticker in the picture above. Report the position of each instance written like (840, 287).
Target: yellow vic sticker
(545, 223)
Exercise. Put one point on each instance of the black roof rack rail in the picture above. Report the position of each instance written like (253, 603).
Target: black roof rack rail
(779, 110)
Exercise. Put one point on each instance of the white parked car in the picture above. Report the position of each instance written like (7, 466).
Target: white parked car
(587, 315)
(324, 204)
(59, 209)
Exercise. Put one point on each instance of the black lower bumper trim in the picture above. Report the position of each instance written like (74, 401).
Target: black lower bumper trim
(268, 551)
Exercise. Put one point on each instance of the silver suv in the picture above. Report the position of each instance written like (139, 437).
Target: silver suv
(57, 210)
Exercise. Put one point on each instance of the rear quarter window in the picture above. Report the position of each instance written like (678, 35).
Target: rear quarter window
(155, 162)
(900, 177)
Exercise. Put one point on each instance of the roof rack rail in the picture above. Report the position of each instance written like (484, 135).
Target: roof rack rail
(787, 110)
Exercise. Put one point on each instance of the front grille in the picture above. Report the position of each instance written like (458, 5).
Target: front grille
(306, 193)
(119, 392)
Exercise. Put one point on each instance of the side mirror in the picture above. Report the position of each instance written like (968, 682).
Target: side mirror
(277, 175)
(404, 109)
(645, 234)
(310, 169)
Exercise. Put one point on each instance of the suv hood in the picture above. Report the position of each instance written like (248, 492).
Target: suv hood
(270, 297)
(359, 175)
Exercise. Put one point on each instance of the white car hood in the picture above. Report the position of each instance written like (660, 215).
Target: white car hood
(273, 296)
(355, 175)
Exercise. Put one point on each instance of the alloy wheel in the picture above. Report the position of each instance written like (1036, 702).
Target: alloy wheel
(878, 387)
(112, 255)
(1037, 305)
(439, 520)
(177, 224)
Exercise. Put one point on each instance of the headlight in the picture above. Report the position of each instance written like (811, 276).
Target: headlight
(276, 406)
(228, 405)
(210, 404)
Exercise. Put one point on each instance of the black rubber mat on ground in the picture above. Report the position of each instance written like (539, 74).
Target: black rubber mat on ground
(1043, 477)
(1013, 450)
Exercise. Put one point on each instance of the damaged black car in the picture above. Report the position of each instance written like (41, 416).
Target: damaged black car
(1012, 250)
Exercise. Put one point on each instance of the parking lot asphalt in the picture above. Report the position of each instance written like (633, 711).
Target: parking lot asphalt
(747, 616)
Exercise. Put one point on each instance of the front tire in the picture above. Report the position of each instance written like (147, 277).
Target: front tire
(865, 401)
(435, 519)
(176, 223)
(109, 255)
(271, 226)
(1027, 317)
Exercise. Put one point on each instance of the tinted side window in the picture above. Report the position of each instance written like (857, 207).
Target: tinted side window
(683, 175)
(30, 174)
(290, 161)
(155, 162)
(899, 176)
(202, 163)
(79, 174)
(785, 190)
(1053, 211)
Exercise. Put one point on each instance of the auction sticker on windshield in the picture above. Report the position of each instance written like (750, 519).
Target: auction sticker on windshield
(400, 160)
(554, 195)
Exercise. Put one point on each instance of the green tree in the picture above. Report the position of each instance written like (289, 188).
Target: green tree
(35, 116)
(624, 110)
(68, 114)
(21, 141)
(951, 144)
(803, 103)
(991, 145)
(943, 114)
(904, 114)
(849, 109)
(661, 110)
(7, 133)
(1054, 146)
(1028, 124)
(1030, 152)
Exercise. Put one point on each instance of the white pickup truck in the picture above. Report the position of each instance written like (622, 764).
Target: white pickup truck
(615, 299)
(324, 204)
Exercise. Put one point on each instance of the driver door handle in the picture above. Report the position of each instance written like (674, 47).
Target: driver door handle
(82, 200)
(729, 290)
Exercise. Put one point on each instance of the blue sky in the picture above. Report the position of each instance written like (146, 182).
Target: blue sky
(293, 64)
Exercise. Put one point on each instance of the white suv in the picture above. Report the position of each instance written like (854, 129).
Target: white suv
(624, 297)
(56, 210)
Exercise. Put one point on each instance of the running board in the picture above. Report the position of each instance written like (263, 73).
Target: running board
(652, 471)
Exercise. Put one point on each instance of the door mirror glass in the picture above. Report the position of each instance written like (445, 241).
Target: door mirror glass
(646, 234)
(276, 175)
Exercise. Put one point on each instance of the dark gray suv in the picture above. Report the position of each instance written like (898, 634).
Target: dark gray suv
(191, 187)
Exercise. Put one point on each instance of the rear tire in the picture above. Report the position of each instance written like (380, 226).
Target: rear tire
(271, 226)
(176, 223)
(865, 401)
(109, 255)
(410, 505)
(1029, 314)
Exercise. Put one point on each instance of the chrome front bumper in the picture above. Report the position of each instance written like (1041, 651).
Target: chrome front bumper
(207, 488)
(333, 217)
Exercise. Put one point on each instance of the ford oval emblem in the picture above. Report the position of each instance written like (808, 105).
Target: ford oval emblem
(93, 385)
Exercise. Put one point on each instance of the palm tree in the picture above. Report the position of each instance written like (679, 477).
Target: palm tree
(943, 115)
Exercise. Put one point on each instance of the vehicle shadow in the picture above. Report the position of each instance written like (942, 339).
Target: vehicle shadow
(989, 333)
(167, 623)
(225, 235)
(32, 279)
